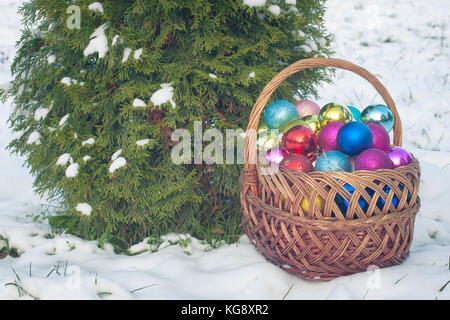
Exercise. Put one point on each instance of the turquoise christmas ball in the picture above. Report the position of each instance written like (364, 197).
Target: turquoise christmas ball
(378, 113)
(279, 113)
(354, 137)
(333, 161)
(355, 113)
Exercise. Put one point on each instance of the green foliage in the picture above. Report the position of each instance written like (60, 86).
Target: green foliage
(183, 42)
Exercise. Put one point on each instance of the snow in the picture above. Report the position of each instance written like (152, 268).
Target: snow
(72, 170)
(84, 208)
(98, 43)
(255, 3)
(63, 159)
(139, 103)
(88, 142)
(212, 76)
(117, 164)
(143, 142)
(293, 2)
(63, 120)
(34, 138)
(404, 43)
(137, 54)
(51, 59)
(126, 54)
(116, 154)
(274, 9)
(40, 113)
(163, 95)
(114, 40)
(96, 6)
(67, 81)
(87, 158)
(251, 75)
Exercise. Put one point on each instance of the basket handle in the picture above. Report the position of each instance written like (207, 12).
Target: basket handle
(250, 140)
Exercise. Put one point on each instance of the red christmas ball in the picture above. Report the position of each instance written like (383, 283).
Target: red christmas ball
(296, 161)
(300, 139)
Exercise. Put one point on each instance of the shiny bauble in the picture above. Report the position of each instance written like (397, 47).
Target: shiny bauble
(279, 113)
(306, 108)
(356, 114)
(262, 128)
(333, 161)
(381, 138)
(334, 112)
(319, 202)
(295, 161)
(378, 113)
(285, 128)
(344, 197)
(353, 138)
(300, 139)
(311, 121)
(399, 156)
(267, 141)
(373, 159)
(327, 138)
(276, 154)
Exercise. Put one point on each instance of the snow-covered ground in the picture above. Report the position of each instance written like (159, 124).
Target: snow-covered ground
(405, 43)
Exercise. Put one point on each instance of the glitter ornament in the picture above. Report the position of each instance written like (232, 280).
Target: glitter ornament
(279, 113)
(378, 113)
(327, 138)
(276, 154)
(353, 138)
(334, 112)
(373, 159)
(306, 108)
(381, 138)
(333, 161)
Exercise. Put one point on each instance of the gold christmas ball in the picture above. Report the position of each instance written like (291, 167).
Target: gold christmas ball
(311, 121)
(320, 204)
(334, 112)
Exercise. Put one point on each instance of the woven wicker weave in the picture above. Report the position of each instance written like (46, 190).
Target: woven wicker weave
(325, 243)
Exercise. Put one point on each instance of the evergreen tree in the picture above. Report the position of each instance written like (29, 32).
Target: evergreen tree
(99, 88)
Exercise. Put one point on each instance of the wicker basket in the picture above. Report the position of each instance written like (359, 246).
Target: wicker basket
(322, 244)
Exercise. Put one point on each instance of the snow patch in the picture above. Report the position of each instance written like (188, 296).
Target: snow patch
(212, 76)
(63, 159)
(67, 81)
(51, 59)
(63, 120)
(251, 75)
(84, 208)
(72, 170)
(255, 3)
(126, 54)
(143, 142)
(118, 163)
(40, 113)
(163, 95)
(34, 138)
(274, 9)
(89, 141)
(137, 54)
(116, 154)
(87, 158)
(139, 103)
(96, 6)
(98, 43)
(114, 40)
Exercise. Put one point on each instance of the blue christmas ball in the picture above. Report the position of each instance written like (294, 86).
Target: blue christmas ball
(355, 113)
(279, 113)
(343, 201)
(354, 137)
(333, 161)
(378, 113)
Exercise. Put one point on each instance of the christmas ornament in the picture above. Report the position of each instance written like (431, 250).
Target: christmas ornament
(276, 154)
(378, 113)
(300, 139)
(334, 112)
(311, 121)
(306, 108)
(356, 114)
(354, 137)
(343, 200)
(262, 128)
(327, 138)
(319, 202)
(295, 161)
(279, 113)
(399, 156)
(285, 128)
(267, 141)
(381, 138)
(333, 161)
(373, 159)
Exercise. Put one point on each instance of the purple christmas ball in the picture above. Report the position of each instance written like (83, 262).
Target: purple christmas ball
(381, 138)
(306, 108)
(373, 159)
(276, 154)
(327, 138)
(399, 156)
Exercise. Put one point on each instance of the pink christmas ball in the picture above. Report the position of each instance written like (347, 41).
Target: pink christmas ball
(399, 156)
(276, 154)
(306, 108)
(373, 159)
(381, 138)
(327, 138)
